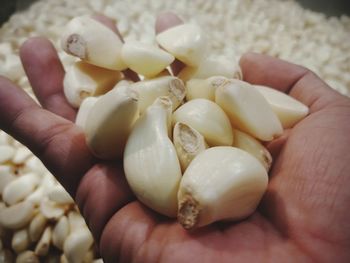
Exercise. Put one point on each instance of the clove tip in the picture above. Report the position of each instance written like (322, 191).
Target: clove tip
(188, 214)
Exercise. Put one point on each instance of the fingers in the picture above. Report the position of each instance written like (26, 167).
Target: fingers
(165, 21)
(296, 80)
(56, 141)
(101, 193)
(45, 73)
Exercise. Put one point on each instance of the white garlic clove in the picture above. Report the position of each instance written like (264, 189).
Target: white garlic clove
(6, 176)
(203, 88)
(248, 110)
(36, 196)
(50, 209)
(221, 183)
(288, 110)
(20, 240)
(208, 119)
(83, 80)
(249, 144)
(60, 232)
(34, 164)
(210, 67)
(186, 42)
(17, 216)
(36, 227)
(77, 244)
(188, 143)
(93, 42)
(6, 153)
(150, 90)
(145, 59)
(110, 122)
(27, 256)
(75, 220)
(84, 110)
(151, 166)
(59, 195)
(20, 188)
(43, 246)
(21, 155)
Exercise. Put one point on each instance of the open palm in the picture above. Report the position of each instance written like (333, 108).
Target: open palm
(303, 217)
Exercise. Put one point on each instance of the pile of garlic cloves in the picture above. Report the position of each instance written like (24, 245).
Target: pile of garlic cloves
(192, 143)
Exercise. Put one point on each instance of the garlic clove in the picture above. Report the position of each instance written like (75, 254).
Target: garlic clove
(208, 119)
(20, 188)
(17, 216)
(43, 246)
(210, 67)
(288, 110)
(203, 88)
(186, 42)
(84, 110)
(27, 256)
(75, 220)
(221, 183)
(6, 176)
(249, 144)
(151, 166)
(77, 244)
(188, 143)
(20, 240)
(6, 153)
(21, 155)
(150, 90)
(145, 59)
(83, 80)
(110, 122)
(60, 232)
(248, 110)
(50, 209)
(36, 227)
(93, 42)
(60, 196)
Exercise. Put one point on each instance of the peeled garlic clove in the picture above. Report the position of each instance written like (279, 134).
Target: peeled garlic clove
(83, 80)
(50, 209)
(77, 245)
(208, 119)
(151, 166)
(60, 232)
(60, 196)
(21, 155)
(75, 220)
(210, 67)
(84, 110)
(43, 246)
(221, 183)
(6, 153)
(248, 110)
(20, 240)
(6, 176)
(145, 59)
(93, 42)
(249, 144)
(17, 216)
(36, 227)
(188, 143)
(150, 90)
(288, 110)
(20, 188)
(186, 42)
(27, 256)
(110, 122)
(203, 88)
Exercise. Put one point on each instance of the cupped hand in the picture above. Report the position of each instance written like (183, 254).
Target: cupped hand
(303, 217)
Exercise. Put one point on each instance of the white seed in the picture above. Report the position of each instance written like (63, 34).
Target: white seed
(151, 166)
(17, 216)
(203, 88)
(43, 246)
(5, 139)
(21, 155)
(27, 256)
(83, 80)
(248, 110)
(75, 220)
(60, 232)
(34, 164)
(208, 119)
(110, 122)
(288, 110)
(150, 90)
(36, 227)
(145, 59)
(50, 209)
(93, 42)
(221, 183)
(59, 195)
(188, 143)
(77, 244)
(186, 42)
(36, 196)
(20, 188)
(6, 176)
(254, 147)
(84, 110)
(6, 153)
(210, 67)
(20, 240)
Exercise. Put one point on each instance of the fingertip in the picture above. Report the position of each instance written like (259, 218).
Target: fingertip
(166, 20)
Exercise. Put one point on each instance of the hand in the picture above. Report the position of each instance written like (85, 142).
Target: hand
(303, 217)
